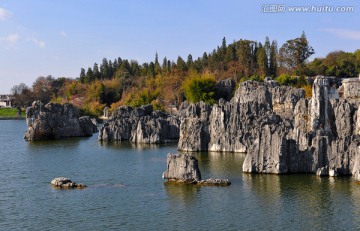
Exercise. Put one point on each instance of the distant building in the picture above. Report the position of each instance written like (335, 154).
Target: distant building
(5, 101)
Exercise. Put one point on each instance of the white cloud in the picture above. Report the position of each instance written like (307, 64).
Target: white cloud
(4, 14)
(63, 34)
(344, 33)
(12, 38)
(39, 43)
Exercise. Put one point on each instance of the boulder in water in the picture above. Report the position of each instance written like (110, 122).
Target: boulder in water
(66, 183)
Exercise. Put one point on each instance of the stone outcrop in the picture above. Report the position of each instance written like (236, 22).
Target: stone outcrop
(183, 168)
(66, 183)
(281, 131)
(140, 125)
(56, 121)
(351, 88)
(225, 89)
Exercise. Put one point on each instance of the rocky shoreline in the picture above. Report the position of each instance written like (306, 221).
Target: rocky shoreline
(281, 131)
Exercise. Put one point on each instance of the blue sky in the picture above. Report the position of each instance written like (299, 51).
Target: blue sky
(42, 37)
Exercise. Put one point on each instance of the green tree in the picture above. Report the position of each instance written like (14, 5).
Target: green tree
(104, 69)
(294, 53)
(96, 72)
(262, 61)
(273, 60)
(181, 65)
(157, 67)
(89, 76)
(82, 75)
(205, 60)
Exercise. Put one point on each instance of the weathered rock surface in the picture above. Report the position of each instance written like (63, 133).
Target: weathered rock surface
(183, 168)
(66, 183)
(55, 121)
(140, 125)
(225, 89)
(281, 131)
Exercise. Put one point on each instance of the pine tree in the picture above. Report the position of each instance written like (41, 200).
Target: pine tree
(205, 60)
(89, 76)
(96, 72)
(181, 65)
(273, 63)
(262, 61)
(164, 65)
(189, 61)
(82, 75)
(104, 69)
(157, 67)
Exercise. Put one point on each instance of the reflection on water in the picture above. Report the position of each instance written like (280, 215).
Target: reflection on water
(181, 193)
(126, 191)
(220, 164)
(133, 146)
(68, 143)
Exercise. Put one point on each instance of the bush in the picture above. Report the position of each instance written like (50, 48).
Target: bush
(286, 80)
(200, 88)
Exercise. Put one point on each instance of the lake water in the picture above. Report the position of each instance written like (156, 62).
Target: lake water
(126, 191)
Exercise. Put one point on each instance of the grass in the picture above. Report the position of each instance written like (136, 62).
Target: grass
(10, 112)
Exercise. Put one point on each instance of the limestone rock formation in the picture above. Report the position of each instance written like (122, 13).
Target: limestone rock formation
(140, 125)
(281, 131)
(55, 121)
(225, 89)
(66, 183)
(183, 168)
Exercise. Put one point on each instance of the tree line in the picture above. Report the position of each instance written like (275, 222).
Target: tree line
(162, 83)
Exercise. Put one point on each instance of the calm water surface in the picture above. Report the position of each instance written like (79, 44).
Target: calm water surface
(126, 191)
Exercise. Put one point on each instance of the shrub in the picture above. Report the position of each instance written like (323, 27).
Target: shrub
(286, 80)
(200, 88)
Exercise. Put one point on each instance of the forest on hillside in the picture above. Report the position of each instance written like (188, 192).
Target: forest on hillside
(165, 83)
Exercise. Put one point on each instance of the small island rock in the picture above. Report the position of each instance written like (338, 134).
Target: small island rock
(66, 183)
(183, 168)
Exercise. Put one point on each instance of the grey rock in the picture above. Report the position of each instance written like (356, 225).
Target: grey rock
(56, 121)
(351, 88)
(323, 171)
(281, 131)
(66, 183)
(182, 167)
(225, 89)
(214, 182)
(140, 125)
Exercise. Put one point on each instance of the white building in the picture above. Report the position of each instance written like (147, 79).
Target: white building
(5, 101)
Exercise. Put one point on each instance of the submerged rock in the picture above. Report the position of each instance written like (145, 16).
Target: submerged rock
(140, 125)
(214, 182)
(183, 168)
(55, 121)
(66, 183)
